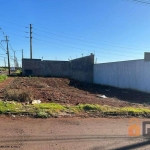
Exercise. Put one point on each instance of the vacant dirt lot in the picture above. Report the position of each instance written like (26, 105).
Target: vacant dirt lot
(3, 85)
(66, 91)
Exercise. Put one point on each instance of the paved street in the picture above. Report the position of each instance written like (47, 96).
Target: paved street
(69, 134)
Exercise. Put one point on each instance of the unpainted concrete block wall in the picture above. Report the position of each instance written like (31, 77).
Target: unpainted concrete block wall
(56, 68)
(80, 69)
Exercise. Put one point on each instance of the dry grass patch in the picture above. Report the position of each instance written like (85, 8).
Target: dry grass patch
(18, 95)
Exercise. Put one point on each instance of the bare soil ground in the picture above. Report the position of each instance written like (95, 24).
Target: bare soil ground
(67, 91)
(3, 85)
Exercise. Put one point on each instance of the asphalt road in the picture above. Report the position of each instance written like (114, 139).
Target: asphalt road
(69, 134)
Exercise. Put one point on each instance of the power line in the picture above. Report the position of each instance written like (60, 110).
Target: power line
(80, 40)
(15, 58)
(69, 38)
(18, 24)
(141, 1)
(78, 48)
(2, 47)
(2, 54)
(12, 28)
(82, 44)
(11, 47)
(93, 46)
(85, 40)
(86, 49)
(81, 48)
(16, 34)
(88, 45)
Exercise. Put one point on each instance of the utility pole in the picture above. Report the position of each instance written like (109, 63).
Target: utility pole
(22, 53)
(22, 57)
(30, 41)
(7, 54)
(14, 59)
(4, 62)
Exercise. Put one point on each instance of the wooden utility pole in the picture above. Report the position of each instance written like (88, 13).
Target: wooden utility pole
(30, 41)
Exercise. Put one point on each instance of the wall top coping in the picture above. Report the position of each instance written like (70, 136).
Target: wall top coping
(120, 61)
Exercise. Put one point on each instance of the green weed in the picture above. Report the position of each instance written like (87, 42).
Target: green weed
(42, 114)
(44, 110)
(9, 107)
(50, 107)
(3, 77)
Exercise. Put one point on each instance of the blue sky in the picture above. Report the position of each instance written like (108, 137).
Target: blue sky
(114, 30)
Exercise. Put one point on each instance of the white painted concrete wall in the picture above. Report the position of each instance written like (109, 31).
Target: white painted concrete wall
(133, 74)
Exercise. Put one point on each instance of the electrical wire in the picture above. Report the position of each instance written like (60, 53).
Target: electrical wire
(40, 40)
(83, 49)
(85, 41)
(93, 46)
(126, 47)
(141, 1)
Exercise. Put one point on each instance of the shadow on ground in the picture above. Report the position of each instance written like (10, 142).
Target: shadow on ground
(112, 92)
(134, 146)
